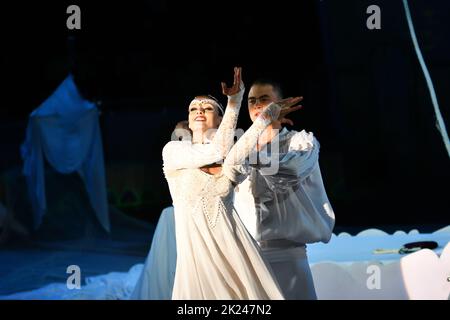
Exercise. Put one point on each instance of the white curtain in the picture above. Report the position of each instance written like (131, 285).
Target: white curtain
(66, 131)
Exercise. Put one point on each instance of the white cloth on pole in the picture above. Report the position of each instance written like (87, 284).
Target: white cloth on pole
(66, 131)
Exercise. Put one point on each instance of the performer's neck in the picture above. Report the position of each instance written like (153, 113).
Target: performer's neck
(198, 136)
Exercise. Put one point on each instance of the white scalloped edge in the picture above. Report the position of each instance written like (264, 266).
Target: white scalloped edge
(377, 232)
(420, 275)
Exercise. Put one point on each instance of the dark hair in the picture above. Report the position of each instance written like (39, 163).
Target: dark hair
(182, 131)
(265, 81)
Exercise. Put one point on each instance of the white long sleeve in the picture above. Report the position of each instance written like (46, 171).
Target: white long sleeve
(232, 167)
(224, 136)
(294, 165)
(291, 205)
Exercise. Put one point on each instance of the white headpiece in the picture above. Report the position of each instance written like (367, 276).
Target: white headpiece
(208, 99)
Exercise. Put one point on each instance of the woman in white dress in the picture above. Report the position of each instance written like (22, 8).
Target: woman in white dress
(216, 256)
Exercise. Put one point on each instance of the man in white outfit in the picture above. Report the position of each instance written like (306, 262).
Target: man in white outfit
(283, 211)
(287, 208)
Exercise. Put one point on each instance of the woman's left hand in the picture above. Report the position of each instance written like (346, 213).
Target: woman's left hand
(238, 85)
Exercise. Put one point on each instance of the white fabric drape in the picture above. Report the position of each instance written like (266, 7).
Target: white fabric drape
(156, 279)
(66, 131)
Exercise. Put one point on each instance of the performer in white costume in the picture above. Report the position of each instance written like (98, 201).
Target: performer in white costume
(155, 281)
(286, 210)
(216, 256)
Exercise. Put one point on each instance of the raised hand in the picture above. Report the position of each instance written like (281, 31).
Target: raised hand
(288, 106)
(237, 83)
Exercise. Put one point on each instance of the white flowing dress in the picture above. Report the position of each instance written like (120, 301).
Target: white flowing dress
(216, 256)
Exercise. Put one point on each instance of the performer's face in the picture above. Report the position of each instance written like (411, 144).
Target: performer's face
(259, 97)
(203, 116)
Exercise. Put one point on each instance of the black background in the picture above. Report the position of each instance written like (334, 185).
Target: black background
(366, 100)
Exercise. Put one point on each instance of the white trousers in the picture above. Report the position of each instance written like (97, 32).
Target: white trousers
(292, 271)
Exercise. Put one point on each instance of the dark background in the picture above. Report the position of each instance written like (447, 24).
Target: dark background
(366, 100)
